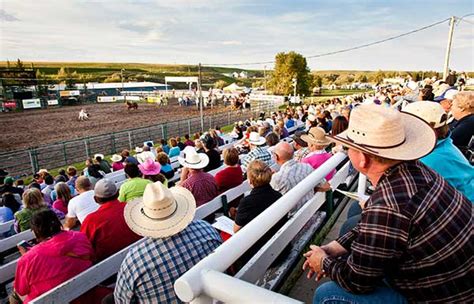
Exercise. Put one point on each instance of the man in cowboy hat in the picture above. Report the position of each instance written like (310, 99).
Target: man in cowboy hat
(202, 185)
(173, 244)
(106, 228)
(256, 143)
(413, 242)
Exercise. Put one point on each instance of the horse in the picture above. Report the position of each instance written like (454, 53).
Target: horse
(132, 105)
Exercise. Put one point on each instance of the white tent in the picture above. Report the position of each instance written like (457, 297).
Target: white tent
(233, 88)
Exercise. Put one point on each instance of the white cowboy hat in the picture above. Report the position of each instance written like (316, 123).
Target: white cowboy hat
(143, 156)
(138, 150)
(98, 155)
(193, 160)
(161, 212)
(116, 158)
(316, 136)
(430, 111)
(256, 139)
(387, 133)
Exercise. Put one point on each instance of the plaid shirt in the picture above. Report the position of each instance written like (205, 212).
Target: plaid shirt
(258, 153)
(415, 232)
(301, 153)
(289, 175)
(150, 269)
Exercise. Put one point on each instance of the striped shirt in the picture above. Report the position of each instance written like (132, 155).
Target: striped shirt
(258, 153)
(150, 269)
(301, 153)
(416, 233)
(289, 175)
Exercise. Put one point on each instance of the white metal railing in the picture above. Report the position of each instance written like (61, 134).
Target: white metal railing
(193, 285)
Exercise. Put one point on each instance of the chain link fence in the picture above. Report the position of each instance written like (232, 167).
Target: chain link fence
(27, 161)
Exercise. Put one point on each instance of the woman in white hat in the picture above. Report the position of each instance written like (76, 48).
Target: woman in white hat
(317, 143)
(117, 162)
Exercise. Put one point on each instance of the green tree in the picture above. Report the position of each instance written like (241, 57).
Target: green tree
(288, 66)
(379, 76)
(220, 84)
(317, 81)
(331, 78)
(362, 78)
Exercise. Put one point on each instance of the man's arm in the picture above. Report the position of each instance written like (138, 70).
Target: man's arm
(70, 222)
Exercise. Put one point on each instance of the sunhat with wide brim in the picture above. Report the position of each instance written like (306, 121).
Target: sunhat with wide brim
(430, 111)
(387, 133)
(256, 139)
(150, 167)
(193, 160)
(316, 136)
(161, 212)
(116, 158)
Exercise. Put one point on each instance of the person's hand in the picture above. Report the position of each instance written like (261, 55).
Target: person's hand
(22, 250)
(313, 261)
(323, 187)
(334, 249)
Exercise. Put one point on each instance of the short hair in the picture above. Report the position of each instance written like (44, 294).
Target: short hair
(125, 153)
(259, 173)
(71, 171)
(33, 199)
(83, 183)
(98, 158)
(186, 136)
(272, 139)
(231, 156)
(464, 101)
(163, 158)
(132, 170)
(173, 142)
(49, 180)
(45, 224)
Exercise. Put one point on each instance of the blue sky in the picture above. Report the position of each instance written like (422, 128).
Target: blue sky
(211, 31)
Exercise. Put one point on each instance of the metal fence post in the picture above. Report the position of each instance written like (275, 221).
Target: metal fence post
(64, 154)
(112, 139)
(87, 147)
(165, 131)
(33, 160)
(189, 127)
(130, 140)
(162, 132)
(210, 122)
(228, 118)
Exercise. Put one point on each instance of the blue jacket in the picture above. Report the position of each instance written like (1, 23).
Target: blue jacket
(449, 162)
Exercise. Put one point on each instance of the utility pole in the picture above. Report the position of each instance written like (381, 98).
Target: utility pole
(121, 76)
(452, 21)
(265, 78)
(200, 97)
(295, 83)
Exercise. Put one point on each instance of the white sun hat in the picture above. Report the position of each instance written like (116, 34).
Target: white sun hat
(256, 139)
(193, 160)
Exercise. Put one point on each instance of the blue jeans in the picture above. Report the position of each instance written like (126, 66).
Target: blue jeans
(332, 293)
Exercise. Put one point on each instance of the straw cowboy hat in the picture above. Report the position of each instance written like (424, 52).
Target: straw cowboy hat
(150, 167)
(161, 212)
(193, 160)
(387, 133)
(431, 112)
(256, 139)
(316, 136)
(116, 158)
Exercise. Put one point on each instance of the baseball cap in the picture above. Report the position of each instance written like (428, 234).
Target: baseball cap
(9, 180)
(105, 188)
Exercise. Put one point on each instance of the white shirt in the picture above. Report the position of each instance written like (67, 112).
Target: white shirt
(81, 205)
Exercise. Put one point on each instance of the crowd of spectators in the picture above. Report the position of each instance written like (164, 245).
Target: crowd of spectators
(374, 128)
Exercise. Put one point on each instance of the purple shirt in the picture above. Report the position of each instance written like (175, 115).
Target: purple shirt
(202, 185)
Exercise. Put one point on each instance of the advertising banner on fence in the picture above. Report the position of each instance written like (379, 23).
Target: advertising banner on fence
(273, 98)
(69, 93)
(117, 98)
(53, 102)
(31, 103)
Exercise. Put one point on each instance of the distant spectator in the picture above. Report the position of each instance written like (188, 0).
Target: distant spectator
(106, 228)
(201, 184)
(300, 146)
(198, 145)
(188, 142)
(290, 174)
(219, 140)
(63, 197)
(149, 144)
(174, 148)
(166, 168)
(317, 143)
(41, 175)
(173, 244)
(71, 172)
(144, 155)
(59, 256)
(231, 176)
(49, 182)
(81, 205)
(6, 214)
(283, 131)
(61, 179)
(103, 164)
(130, 160)
(463, 126)
(151, 170)
(19, 183)
(34, 185)
(346, 112)
(272, 140)
(8, 186)
(180, 144)
(11, 201)
(125, 153)
(323, 123)
(93, 171)
(426, 94)
(117, 163)
(62, 172)
(33, 202)
(210, 146)
(256, 151)
(164, 146)
(340, 124)
(134, 186)
(445, 159)
(289, 122)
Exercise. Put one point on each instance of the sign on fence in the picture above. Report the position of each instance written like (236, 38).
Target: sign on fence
(272, 98)
(31, 103)
(117, 98)
(53, 102)
(69, 93)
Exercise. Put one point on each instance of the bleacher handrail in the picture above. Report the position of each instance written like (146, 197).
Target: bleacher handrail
(191, 286)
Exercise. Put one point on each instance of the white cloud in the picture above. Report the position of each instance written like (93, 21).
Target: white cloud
(231, 42)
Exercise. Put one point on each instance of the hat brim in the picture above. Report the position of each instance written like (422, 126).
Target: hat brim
(310, 140)
(116, 159)
(420, 140)
(260, 142)
(204, 161)
(161, 228)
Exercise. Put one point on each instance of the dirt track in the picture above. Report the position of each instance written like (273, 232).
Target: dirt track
(32, 128)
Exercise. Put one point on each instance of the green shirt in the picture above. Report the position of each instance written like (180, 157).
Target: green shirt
(23, 217)
(132, 188)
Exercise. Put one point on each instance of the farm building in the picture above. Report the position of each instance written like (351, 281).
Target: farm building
(113, 88)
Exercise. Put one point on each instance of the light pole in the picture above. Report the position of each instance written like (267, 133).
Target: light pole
(294, 83)
(121, 76)
(452, 21)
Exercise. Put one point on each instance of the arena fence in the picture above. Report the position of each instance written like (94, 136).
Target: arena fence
(27, 161)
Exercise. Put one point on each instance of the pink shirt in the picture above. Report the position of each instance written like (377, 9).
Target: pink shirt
(117, 166)
(52, 262)
(316, 159)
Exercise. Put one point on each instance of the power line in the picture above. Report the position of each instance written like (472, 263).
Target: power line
(343, 50)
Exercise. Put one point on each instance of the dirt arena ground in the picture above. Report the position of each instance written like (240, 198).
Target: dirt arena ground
(32, 128)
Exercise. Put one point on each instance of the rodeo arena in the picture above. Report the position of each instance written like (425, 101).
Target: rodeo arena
(140, 192)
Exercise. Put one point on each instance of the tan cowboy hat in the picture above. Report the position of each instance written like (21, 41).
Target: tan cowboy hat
(316, 136)
(193, 160)
(431, 112)
(256, 139)
(116, 158)
(387, 133)
(161, 212)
